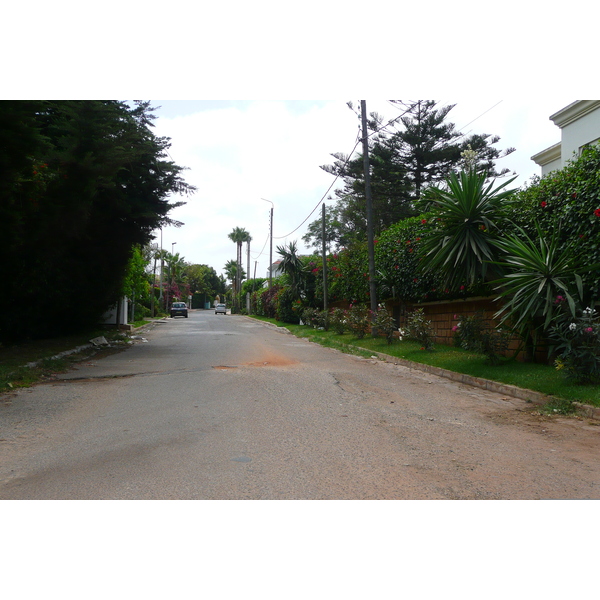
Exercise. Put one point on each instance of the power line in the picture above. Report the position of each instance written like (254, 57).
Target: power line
(260, 253)
(359, 140)
(375, 131)
(322, 197)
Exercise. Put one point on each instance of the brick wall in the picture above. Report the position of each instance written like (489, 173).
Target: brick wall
(445, 314)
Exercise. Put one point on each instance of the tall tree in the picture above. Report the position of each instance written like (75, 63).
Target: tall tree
(426, 143)
(292, 266)
(239, 235)
(83, 182)
(407, 156)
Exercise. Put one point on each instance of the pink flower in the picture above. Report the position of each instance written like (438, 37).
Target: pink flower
(455, 328)
(589, 330)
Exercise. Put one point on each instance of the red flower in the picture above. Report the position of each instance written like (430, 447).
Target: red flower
(597, 212)
(543, 204)
(423, 221)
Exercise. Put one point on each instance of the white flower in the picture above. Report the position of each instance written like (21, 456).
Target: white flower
(572, 326)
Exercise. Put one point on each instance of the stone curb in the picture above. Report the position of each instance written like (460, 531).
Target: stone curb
(592, 412)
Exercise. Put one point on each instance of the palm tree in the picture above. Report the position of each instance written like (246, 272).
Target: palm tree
(248, 239)
(232, 273)
(239, 236)
(291, 265)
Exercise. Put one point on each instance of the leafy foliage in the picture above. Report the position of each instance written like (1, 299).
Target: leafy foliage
(577, 343)
(569, 200)
(473, 333)
(83, 182)
(359, 320)
(468, 212)
(537, 272)
(338, 320)
(419, 329)
(406, 156)
(384, 323)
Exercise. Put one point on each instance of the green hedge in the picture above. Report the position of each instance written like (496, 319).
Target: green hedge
(569, 199)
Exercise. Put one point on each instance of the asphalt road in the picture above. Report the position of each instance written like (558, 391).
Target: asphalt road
(225, 407)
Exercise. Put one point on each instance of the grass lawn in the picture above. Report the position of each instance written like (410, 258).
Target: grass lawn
(540, 378)
(14, 373)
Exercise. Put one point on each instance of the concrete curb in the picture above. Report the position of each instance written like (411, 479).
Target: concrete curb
(591, 412)
(585, 410)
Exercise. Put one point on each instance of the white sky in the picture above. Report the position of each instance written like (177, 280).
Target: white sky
(239, 152)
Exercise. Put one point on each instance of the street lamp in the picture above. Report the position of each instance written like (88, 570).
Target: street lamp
(271, 247)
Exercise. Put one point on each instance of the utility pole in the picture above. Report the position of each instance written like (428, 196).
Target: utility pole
(271, 247)
(370, 237)
(162, 266)
(324, 261)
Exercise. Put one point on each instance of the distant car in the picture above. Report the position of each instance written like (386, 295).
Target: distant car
(179, 308)
(220, 308)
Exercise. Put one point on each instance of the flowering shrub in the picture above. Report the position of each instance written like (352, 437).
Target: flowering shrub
(398, 259)
(419, 329)
(473, 333)
(577, 342)
(385, 323)
(338, 320)
(358, 320)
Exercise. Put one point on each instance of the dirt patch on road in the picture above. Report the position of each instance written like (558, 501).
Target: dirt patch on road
(272, 361)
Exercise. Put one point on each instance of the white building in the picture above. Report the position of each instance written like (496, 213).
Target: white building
(579, 127)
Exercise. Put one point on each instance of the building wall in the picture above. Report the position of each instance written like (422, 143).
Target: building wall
(578, 134)
(579, 124)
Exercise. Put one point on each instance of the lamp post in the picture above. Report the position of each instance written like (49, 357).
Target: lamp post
(271, 246)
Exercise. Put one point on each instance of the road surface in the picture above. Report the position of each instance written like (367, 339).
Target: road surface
(226, 407)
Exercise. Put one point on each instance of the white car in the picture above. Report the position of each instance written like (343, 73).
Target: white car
(220, 308)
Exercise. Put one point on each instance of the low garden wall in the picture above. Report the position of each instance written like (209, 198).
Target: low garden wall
(444, 315)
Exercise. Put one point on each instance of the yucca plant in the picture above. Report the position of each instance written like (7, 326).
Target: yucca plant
(537, 273)
(469, 212)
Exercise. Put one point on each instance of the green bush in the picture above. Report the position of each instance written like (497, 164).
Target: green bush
(474, 334)
(419, 329)
(287, 307)
(338, 320)
(359, 320)
(384, 323)
(567, 200)
(577, 343)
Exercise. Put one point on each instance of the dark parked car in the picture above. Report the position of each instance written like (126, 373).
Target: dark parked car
(220, 308)
(179, 308)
